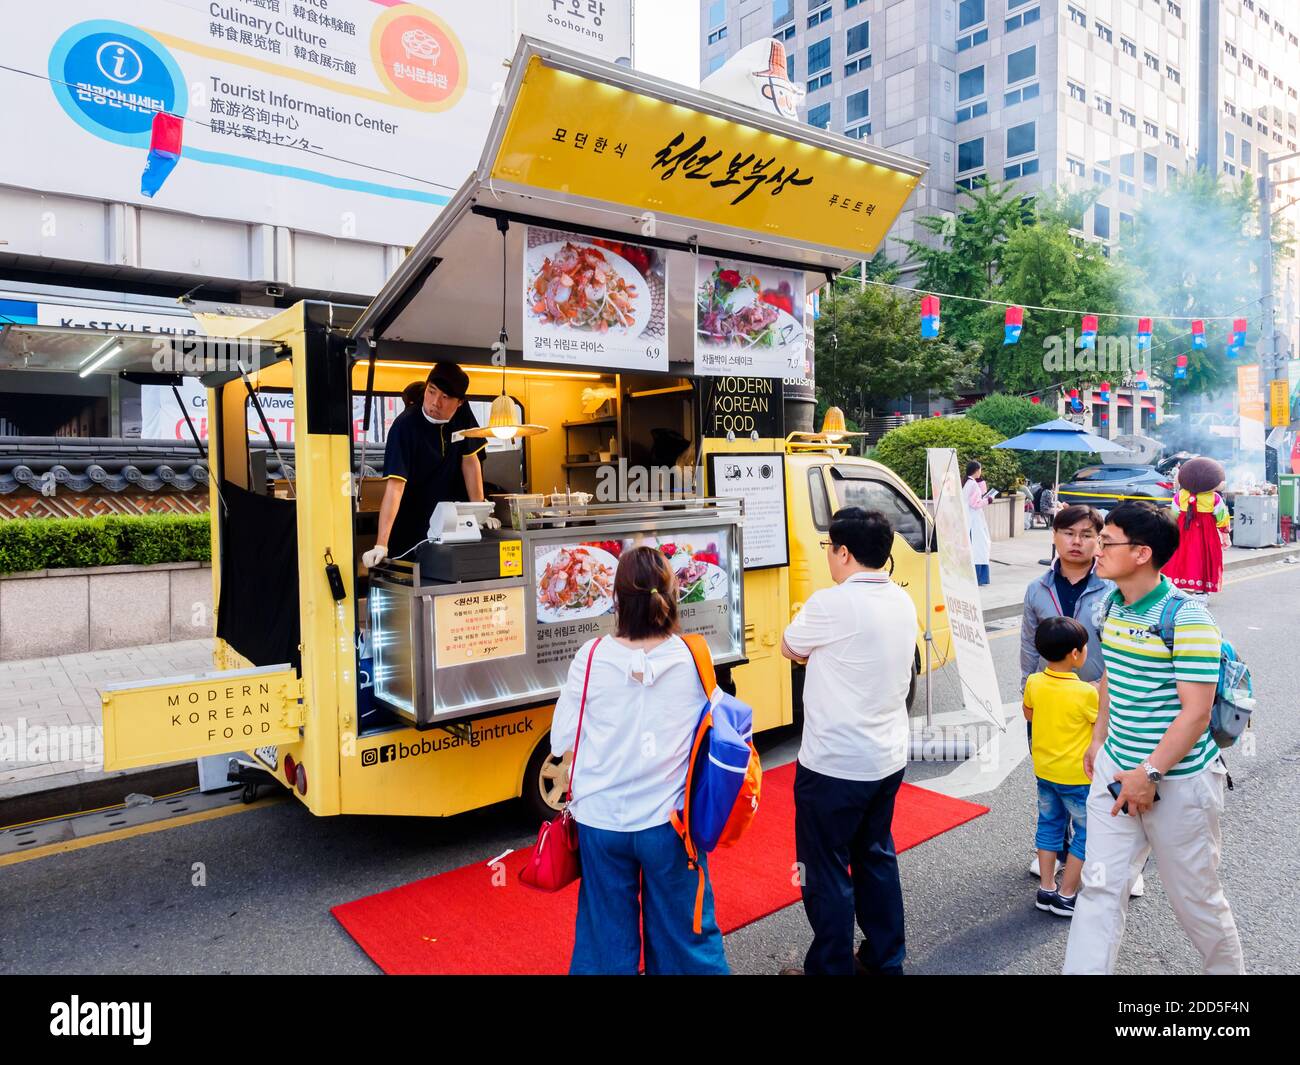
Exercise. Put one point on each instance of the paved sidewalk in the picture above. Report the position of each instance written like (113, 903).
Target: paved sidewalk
(50, 716)
(1016, 563)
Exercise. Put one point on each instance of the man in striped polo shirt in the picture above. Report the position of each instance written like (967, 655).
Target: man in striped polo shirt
(1152, 737)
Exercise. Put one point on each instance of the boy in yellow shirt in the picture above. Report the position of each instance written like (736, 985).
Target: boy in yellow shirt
(1063, 709)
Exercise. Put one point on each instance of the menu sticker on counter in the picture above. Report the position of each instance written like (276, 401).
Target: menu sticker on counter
(478, 626)
(512, 558)
(758, 479)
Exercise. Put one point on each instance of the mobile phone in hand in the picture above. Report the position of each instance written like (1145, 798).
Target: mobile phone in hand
(1114, 789)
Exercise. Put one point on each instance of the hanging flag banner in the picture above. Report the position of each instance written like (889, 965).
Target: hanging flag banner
(979, 680)
(1198, 335)
(1180, 367)
(164, 152)
(594, 302)
(1088, 334)
(1144, 334)
(1141, 378)
(1238, 333)
(1104, 389)
(930, 317)
(749, 320)
(1015, 321)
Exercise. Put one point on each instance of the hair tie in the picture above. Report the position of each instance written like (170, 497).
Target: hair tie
(654, 591)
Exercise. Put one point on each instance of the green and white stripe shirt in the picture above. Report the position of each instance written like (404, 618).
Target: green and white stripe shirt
(1142, 676)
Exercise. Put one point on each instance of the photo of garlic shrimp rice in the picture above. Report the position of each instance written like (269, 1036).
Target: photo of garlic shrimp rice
(574, 582)
(583, 287)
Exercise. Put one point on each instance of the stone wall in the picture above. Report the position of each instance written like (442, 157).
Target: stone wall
(68, 611)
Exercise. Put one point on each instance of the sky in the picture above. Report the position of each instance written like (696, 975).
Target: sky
(667, 39)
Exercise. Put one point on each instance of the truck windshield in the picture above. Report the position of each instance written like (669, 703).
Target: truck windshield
(856, 490)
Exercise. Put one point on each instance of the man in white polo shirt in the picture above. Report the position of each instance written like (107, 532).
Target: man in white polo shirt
(859, 641)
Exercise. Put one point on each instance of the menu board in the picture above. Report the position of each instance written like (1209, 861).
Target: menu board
(758, 479)
(574, 587)
(594, 302)
(748, 319)
(478, 626)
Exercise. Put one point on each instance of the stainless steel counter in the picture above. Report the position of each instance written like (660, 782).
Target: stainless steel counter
(449, 651)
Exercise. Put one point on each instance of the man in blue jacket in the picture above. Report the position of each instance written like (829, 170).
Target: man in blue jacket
(1070, 588)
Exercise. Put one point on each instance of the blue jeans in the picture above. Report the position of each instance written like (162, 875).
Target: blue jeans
(617, 867)
(845, 846)
(1061, 806)
(1064, 850)
(982, 573)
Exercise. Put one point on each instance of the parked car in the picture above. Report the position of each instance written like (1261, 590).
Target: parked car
(1104, 486)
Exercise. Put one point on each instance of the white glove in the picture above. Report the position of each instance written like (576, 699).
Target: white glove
(375, 555)
(491, 521)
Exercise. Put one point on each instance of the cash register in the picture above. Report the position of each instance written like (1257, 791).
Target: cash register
(459, 549)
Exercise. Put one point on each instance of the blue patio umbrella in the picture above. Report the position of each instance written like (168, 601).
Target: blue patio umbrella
(1060, 435)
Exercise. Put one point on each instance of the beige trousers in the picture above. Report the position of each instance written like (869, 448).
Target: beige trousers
(1182, 829)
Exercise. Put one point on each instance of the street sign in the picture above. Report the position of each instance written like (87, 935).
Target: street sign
(178, 718)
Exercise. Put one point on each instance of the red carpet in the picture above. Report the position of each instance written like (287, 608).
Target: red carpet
(462, 923)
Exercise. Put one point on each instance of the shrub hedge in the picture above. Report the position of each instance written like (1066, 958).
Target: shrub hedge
(116, 540)
(903, 451)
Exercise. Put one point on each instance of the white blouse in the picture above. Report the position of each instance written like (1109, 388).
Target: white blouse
(630, 772)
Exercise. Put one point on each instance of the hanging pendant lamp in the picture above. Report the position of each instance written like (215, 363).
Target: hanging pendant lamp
(503, 418)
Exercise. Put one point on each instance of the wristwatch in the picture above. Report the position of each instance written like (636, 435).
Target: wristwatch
(1153, 774)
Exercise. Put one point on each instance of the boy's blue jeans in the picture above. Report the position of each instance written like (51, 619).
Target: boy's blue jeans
(1059, 806)
(633, 877)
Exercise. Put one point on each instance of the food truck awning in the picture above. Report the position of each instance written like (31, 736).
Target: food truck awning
(104, 351)
(579, 144)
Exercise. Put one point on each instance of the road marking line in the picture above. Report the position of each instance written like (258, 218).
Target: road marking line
(136, 830)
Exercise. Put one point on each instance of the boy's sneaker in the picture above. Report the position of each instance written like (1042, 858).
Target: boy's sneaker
(1045, 899)
(1062, 905)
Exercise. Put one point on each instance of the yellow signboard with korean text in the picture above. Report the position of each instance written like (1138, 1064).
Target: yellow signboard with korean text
(174, 720)
(583, 137)
(478, 625)
(1279, 402)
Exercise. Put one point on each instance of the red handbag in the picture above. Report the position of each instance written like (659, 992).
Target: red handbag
(555, 862)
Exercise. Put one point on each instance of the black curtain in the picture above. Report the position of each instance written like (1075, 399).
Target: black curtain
(257, 613)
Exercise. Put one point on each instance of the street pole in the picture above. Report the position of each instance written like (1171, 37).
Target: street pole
(1272, 363)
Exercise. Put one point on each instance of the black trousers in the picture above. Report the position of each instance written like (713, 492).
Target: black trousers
(845, 847)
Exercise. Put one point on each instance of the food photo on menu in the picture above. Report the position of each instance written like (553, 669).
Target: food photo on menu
(588, 296)
(576, 581)
(748, 316)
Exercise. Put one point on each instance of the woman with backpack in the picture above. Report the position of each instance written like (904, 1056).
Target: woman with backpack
(629, 711)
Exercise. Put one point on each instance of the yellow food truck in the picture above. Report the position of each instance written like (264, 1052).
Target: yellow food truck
(626, 271)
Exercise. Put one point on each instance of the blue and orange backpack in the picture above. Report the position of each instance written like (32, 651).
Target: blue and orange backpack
(723, 776)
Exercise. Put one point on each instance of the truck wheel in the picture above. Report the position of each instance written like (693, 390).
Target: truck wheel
(546, 779)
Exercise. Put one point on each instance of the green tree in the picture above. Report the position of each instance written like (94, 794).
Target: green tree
(870, 350)
(903, 451)
(1195, 250)
(1045, 265)
(967, 258)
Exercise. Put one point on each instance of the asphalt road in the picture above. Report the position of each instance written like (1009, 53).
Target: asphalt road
(272, 873)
